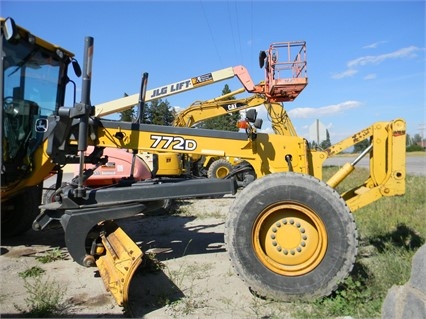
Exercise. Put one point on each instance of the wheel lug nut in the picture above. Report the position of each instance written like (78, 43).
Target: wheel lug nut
(292, 252)
(274, 229)
(298, 225)
(302, 230)
(303, 244)
(299, 249)
(285, 221)
(274, 243)
(279, 248)
(272, 236)
(291, 221)
(278, 224)
(304, 237)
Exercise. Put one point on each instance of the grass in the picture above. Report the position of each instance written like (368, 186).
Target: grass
(186, 277)
(46, 299)
(409, 154)
(390, 230)
(34, 271)
(150, 263)
(185, 208)
(52, 255)
(196, 296)
(417, 153)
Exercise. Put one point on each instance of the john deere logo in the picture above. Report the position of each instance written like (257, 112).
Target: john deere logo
(41, 125)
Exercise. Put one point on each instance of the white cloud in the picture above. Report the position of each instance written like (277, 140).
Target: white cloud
(344, 74)
(370, 76)
(353, 65)
(408, 52)
(307, 112)
(373, 45)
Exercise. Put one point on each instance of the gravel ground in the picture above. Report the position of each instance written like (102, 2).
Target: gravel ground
(196, 281)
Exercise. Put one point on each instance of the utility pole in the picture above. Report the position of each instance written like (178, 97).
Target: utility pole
(422, 129)
(317, 132)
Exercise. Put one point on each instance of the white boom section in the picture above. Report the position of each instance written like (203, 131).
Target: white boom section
(127, 102)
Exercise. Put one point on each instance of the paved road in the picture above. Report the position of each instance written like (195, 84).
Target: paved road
(415, 165)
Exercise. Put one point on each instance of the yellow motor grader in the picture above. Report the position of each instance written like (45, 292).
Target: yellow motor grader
(174, 164)
(289, 72)
(289, 234)
(199, 111)
(292, 77)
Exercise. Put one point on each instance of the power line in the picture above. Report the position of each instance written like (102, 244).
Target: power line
(238, 30)
(231, 22)
(211, 32)
(251, 33)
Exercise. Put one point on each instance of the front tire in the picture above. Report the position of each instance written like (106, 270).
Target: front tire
(220, 168)
(291, 237)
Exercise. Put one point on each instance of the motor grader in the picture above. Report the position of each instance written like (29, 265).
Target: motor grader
(172, 164)
(166, 164)
(287, 65)
(289, 234)
(199, 111)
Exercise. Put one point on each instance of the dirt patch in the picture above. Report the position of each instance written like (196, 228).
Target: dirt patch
(196, 278)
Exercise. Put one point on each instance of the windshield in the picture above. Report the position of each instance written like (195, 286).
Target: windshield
(32, 74)
(33, 85)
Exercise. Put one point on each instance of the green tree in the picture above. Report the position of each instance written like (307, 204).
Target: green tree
(145, 113)
(359, 147)
(129, 114)
(408, 140)
(414, 144)
(417, 139)
(160, 112)
(326, 143)
(323, 144)
(226, 122)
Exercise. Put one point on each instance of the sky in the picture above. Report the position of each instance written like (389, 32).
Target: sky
(365, 60)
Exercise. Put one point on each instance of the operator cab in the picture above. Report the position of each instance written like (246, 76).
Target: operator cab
(34, 77)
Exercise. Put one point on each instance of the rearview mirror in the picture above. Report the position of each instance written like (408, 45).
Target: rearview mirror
(251, 115)
(9, 29)
(76, 67)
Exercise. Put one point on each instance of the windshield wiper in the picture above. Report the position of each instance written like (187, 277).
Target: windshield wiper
(24, 61)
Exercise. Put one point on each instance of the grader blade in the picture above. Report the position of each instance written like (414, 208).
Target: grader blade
(117, 265)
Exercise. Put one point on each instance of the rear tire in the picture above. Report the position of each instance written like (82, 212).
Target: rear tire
(219, 169)
(18, 213)
(291, 237)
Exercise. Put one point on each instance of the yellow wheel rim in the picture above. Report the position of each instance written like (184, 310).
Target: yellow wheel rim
(289, 239)
(222, 172)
